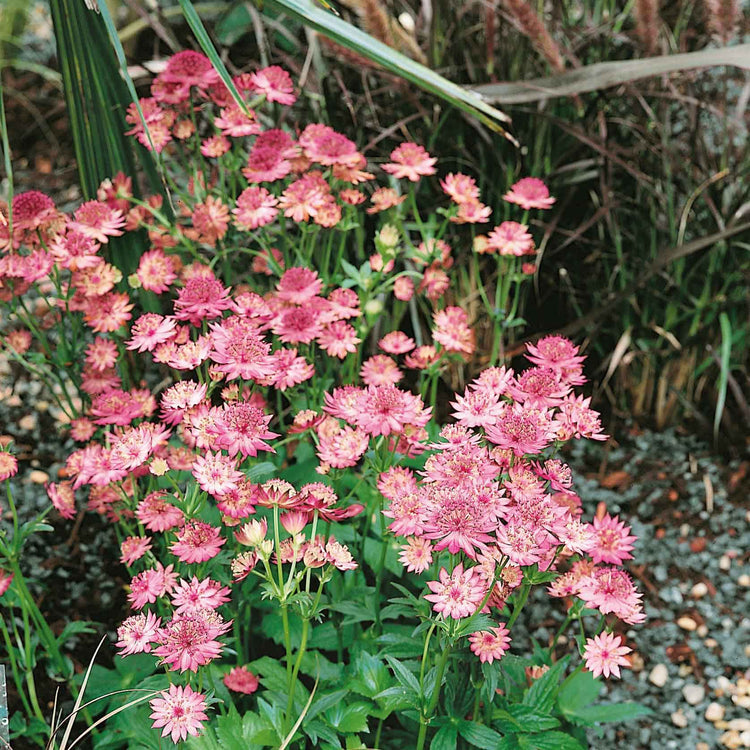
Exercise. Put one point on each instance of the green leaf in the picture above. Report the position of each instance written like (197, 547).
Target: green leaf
(349, 719)
(578, 690)
(478, 735)
(369, 675)
(474, 623)
(397, 698)
(324, 702)
(726, 352)
(531, 720)
(358, 41)
(549, 741)
(610, 712)
(403, 674)
(446, 738)
(543, 691)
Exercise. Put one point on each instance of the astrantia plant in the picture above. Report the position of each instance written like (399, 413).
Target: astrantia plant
(315, 557)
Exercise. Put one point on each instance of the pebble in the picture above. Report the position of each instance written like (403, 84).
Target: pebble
(694, 694)
(659, 675)
(702, 631)
(744, 580)
(684, 670)
(745, 738)
(699, 590)
(702, 746)
(27, 423)
(730, 740)
(739, 725)
(680, 720)
(725, 562)
(687, 623)
(715, 711)
(741, 700)
(710, 643)
(38, 477)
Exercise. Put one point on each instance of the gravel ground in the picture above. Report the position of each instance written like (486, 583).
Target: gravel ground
(692, 656)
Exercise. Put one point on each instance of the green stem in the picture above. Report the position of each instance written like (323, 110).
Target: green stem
(523, 596)
(426, 716)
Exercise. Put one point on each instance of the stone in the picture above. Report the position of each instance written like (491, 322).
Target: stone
(730, 740)
(715, 711)
(687, 623)
(659, 675)
(710, 643)
(739, 725)
(745, 738)
(744, 581)
(725, 562)
(27, 423)
(680, 720)
(684, 670)
(699, 590)
(693, 693)
(702, 746)
(743, 701)
(38, 477)
(702, 631)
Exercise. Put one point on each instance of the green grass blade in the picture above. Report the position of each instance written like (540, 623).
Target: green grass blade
(201, 35)
(726, 353)
(6, 154)
(358, 41)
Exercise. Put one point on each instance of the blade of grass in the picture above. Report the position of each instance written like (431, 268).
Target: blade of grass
(604, 75)
(726, 353)
(358, 41)
(6, 155)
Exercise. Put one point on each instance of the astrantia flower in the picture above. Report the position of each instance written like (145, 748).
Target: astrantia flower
(457, 594)
(338, 339)
(380, 370)
(156, 271)
(529, 192)
(460, 187)
(289, 369)
(241, 680)
(410, 161)
(255, 208)
(156, 513)
(605, 654)
(452, 330)
(197, 594)
(383, 199)
(61, 495)
(275, 83)
(523, 429)
(99, 221)
(149, 331)
(188, 641)
(134, 548)
(202, 298)
(148, 586)
(510, 238)
(197, 542)
(386, 409)
(239, 349)
(490, 645)
(611, 590)
(416, 554)
(299, 285)
(396, 342)
(137, 633)
(242, 428)
(216, 473)
(613, 541)
(180, 711)
(189, 68)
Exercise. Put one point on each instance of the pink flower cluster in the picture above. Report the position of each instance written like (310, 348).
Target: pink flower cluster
(492, 496)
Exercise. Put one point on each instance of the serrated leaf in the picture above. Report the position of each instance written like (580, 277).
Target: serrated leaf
(532, 720)
(478, 735)
(475, 623)
(543, 691)
(350, 719)
(446, 738)
(397, 698)
(324, 702)
(403, 674)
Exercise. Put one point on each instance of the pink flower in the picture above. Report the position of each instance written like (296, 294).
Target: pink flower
(298, 285)
(410, 161)
(5, 580)
(338, 339)
(99, 221)
(188, 641)
(62, 498)
(380, 369)
(180, 711)
(134, 548)
(604, 654)
(613, 542)
(202, 298)
(275, 83)
(452, 330)
(396, 342)
(529, 192)
(239, 349)
(137, 633)
(216, 474)
(523, 429)
(491, 644)
(385, 409)
(611, 590)
(460, 187)
(148, 586)
(256, 207)
(242, 428)
(149, 331)
(157, 514)
(197, 542)
(457, 594)
(416, 554)
(193, 595)
(241, 680)
(510, 238)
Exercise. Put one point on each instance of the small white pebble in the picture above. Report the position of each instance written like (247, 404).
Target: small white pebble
(743, 686)
(699, 590)
(725, 562)
(694, 694)
(687, 623)
(679, 719)
(744, 580)
(38, 477)
(702, 631)
(745, 738)
(747, 650)
(739, 725)
(685, 529)
(710, 643)
(731, 740)
(702, 746)
(715, 712)
(659, 675)
(743, 701)
(684, 670)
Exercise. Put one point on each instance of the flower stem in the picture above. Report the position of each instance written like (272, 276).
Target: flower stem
(426, 716)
